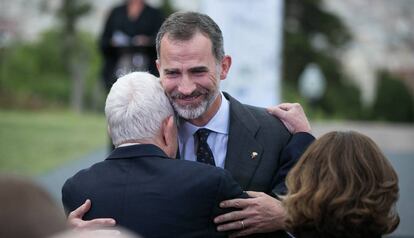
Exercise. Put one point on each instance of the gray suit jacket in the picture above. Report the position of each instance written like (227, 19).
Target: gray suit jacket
(260, 150)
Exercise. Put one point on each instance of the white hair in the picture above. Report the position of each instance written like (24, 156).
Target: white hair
(135, 108)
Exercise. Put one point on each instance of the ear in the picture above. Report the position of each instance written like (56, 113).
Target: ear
(169, 135)
(157, 62)
(109, 134)
(225, 67)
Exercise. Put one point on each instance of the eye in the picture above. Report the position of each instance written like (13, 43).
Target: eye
(172, 74)
(199, 74)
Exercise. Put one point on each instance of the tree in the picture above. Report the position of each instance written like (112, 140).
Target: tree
(314, 35)
(167, 7)
(394, 101)
(74, 53)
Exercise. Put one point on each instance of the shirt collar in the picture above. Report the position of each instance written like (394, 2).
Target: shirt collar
(135, 151)
(127, 144)
(218, 124)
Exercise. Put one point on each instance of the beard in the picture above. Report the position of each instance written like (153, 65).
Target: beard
(190, 112)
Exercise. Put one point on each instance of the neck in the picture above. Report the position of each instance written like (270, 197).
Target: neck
(209, 114)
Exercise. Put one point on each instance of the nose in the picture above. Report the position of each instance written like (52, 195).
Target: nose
(186, 86)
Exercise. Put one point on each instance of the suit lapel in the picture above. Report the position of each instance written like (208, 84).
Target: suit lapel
(243, 151)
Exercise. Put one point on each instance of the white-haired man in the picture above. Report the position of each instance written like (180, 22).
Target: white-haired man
(139, 185)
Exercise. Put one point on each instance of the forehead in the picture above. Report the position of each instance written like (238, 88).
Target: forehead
(198, 47)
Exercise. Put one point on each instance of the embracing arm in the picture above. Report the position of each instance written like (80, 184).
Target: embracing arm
(260, 213)
(295, 120)
(75, 218)
(292, 116)
(76, 214)
(263, 213)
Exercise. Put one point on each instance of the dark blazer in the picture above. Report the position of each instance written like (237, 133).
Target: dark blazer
(254, 131)
(148, 193)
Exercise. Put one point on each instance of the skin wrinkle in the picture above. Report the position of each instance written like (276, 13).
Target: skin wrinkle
(190, 76)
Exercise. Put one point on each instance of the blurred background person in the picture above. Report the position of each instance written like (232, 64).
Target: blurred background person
(128, 40)
(343, 186)
(27, 210)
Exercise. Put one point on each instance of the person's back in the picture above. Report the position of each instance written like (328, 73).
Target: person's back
(342, 187)
(153, 195)
(139, 184)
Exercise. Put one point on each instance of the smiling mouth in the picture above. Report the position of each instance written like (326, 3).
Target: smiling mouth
(188, 99)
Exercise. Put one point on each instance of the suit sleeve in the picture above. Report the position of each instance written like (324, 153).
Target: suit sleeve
(292, 152)
(67, 200)
(228, 189)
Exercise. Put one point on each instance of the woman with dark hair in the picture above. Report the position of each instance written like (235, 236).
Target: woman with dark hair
(343, 186)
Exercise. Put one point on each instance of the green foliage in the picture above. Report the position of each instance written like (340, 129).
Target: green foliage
(307, 22)
(304, 21)
(34, 74)
(70, 12)
(394, 102)
(342, 101)
(167, 8)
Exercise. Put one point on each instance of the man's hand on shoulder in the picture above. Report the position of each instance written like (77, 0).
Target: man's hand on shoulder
(292, 116)
(75, 219)
(259, 214)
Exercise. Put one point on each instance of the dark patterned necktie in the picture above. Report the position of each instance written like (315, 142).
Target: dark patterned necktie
(204, 154)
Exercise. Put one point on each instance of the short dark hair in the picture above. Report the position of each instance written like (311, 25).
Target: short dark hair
(342, 186)
(183, 25)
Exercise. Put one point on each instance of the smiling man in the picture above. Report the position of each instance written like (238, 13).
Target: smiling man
(191, 76)
(215, 128)
(253, 145)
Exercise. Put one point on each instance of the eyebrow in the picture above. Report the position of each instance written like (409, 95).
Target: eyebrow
(169, 71)
(198, 69)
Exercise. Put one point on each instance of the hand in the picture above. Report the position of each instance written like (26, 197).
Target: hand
(142, 40)
(292, 116)
(75, 218)
(260, 214)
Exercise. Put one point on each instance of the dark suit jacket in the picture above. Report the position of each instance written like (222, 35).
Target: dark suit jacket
(253, 129)
(153, 195)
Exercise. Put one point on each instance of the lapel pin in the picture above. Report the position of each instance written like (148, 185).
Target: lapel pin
(254, 155)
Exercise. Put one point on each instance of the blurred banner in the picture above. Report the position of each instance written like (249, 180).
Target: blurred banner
(252, 33)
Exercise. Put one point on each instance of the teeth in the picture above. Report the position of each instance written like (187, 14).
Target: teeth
(188, 97)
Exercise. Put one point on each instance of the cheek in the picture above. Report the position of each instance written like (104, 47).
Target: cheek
(168, 85)
(213, 81)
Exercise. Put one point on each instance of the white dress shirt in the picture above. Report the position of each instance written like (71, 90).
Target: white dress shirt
(217, 139)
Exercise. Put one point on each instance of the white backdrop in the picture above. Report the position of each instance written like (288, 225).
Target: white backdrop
(252, 33)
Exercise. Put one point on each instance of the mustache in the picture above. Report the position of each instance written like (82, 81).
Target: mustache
(196, 93)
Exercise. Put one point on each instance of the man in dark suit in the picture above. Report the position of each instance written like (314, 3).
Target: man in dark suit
(253, 145)
(139, 185)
